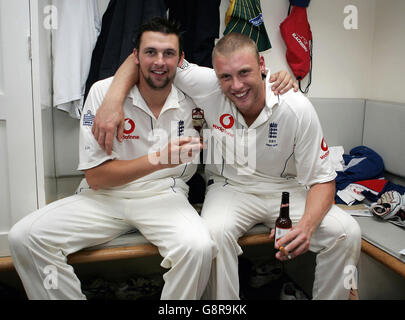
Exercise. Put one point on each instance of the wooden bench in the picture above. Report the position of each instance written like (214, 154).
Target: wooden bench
(383, 241)
(385, 258)
(258, 235)
(113, 251)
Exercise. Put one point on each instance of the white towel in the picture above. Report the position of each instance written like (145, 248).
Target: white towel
(336, 156)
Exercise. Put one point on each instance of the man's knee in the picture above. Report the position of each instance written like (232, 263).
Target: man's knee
(26, 233)
(346, 231)
(197, 245)
(354, 233)
(19, 236)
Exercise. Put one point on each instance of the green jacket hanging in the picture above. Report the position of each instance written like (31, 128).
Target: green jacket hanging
(245, 16)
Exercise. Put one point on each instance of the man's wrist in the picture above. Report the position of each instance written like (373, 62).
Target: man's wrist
(115, 102)
(155, 159)
(306, 225)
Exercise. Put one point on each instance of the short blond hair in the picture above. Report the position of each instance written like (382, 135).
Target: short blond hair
(232, 42)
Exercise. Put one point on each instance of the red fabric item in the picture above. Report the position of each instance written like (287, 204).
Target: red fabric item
(374, 185)
(296, 32)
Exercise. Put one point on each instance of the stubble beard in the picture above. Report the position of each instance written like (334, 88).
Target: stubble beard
(150, 82)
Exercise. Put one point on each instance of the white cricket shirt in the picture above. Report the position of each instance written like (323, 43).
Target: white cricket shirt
(143, 134)
(285, 144)
(76, 26)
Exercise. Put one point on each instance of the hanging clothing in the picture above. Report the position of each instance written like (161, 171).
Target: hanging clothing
(120, 25)
(296, 33)
(73, 41)
(245, 16)
(200, 22)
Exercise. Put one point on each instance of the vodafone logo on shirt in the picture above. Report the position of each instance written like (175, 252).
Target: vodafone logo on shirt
(129, 128)
(324, 145)
(227, 122)
(325, 149)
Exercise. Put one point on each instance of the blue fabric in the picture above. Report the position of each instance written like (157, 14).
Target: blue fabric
(371, 167)
(392, 186)
(369, 196)
(300, 3)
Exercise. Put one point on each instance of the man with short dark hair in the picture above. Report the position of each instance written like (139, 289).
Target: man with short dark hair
(129, 188)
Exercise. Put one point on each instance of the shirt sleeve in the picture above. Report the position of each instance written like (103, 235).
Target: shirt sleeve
(197, 82)
(311, 151)
(90, 153)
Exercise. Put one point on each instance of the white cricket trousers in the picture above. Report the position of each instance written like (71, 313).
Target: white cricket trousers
(230, 213)
(41, 241)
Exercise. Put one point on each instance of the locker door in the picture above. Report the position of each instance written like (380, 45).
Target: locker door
(18, 191)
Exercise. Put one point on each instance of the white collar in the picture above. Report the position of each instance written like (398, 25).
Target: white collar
(271, 98)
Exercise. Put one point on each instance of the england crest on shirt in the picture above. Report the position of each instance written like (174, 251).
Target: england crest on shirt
(272, 137)
(180, 128)
(88, 119)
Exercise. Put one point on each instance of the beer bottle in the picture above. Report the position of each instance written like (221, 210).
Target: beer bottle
(283, 222)
(198, 119)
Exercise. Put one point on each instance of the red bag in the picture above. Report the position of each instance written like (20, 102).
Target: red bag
(297, 35)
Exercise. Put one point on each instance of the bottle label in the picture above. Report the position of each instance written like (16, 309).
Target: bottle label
(281, 232)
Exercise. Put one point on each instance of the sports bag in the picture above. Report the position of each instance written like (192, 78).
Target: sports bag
(296, 33)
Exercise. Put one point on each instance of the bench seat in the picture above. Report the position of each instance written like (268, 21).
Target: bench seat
(375, 243)
(134, 245)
